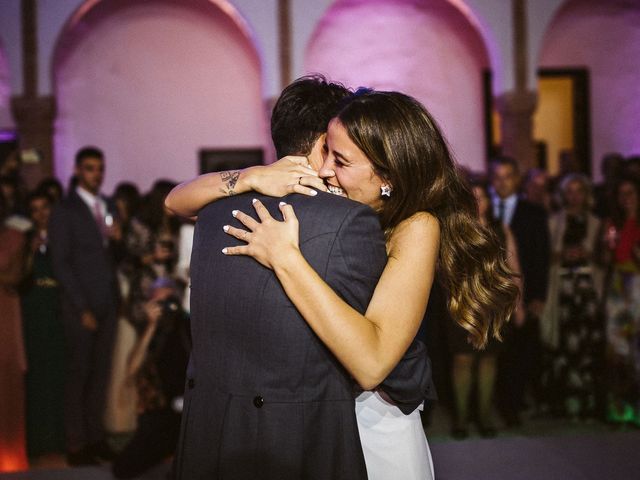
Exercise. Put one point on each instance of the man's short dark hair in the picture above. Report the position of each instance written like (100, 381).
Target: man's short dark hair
(504, 160)
(88, 152)
(302, 113)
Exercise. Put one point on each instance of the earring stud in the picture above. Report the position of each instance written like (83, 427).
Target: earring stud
(385, 190)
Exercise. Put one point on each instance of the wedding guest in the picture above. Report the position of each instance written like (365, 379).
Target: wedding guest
(44, 338)
(622, 237)
(81, 236)
(470, 365)
(570, 325)
(13, 455)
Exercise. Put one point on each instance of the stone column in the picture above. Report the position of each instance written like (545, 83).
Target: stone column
(33, 115)
(284, 32)
(517, 107)
(516, 114)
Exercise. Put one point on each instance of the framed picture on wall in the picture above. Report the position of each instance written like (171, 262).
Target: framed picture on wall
(217, 160)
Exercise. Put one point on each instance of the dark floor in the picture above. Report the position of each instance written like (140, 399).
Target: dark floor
(544, 449)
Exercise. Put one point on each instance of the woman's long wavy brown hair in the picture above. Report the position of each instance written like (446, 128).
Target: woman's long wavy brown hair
(407, 149)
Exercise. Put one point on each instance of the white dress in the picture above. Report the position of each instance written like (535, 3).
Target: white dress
(394, 444)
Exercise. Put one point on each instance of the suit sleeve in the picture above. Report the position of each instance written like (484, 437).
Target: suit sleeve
(61, 242)
(357, 261)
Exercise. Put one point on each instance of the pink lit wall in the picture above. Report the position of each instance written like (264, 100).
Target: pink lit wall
(426, 48)
(604, 37)
(151, 83)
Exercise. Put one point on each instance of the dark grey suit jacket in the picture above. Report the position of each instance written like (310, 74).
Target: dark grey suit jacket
(81, 262)
(265, 398)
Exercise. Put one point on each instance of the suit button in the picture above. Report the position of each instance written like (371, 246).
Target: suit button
(258, 401)
(191, 383)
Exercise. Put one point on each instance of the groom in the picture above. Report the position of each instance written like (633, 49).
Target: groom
(266, 399)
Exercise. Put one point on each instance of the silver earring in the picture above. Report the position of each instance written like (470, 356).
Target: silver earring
(385, 190)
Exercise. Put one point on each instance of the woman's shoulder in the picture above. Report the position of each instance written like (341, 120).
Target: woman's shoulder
(419, 228)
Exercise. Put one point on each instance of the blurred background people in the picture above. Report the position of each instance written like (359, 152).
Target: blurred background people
(622, 255)
(469, 366)
(157, 366)
(132, 251)
(44, 338)
(12, 356)
(520, 360)
(80, 237)
(571, 326)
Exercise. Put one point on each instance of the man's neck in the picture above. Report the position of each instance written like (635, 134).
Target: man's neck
(86, 191)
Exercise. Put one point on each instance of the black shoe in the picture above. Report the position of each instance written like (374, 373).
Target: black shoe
(81, 458)
(102, 452)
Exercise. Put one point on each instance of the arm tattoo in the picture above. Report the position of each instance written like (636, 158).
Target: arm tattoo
(230, 179)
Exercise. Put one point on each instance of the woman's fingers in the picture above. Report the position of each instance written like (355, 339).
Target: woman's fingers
(296, 159)
(241, 250)
(288, 213)
(313, 182)
(261, 210)
(237, 233)
(245, 219)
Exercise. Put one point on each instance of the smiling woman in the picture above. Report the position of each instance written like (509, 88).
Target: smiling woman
(348, 171)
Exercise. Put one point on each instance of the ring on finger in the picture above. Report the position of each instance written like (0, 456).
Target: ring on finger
(299, 180)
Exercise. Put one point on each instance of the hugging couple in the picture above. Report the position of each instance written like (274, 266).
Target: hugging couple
(310, 278)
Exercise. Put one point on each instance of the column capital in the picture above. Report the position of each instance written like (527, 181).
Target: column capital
(34, 118)
(517, 103)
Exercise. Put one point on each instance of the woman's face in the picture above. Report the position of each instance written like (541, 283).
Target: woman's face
(575, 195)
(482, 200)
(347, 170)
(627, 196)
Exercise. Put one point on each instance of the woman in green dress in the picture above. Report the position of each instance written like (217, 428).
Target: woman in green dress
(44, 340)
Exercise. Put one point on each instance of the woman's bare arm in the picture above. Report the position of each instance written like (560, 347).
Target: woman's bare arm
(368, 345)
(287, 175)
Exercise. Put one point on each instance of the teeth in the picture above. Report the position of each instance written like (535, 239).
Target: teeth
(335, 190)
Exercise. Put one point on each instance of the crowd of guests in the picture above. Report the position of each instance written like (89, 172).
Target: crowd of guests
(572, 349)
(95, 317)
(95, 335)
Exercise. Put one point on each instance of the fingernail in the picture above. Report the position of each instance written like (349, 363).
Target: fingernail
(234, 213)
(254, 200)
(314, 192)
(282, 204)
(225, 228)
(224, 250)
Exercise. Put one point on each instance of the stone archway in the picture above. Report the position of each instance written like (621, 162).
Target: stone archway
(426, 48)
(153, 81)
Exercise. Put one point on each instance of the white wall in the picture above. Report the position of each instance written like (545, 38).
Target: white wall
(151, 83)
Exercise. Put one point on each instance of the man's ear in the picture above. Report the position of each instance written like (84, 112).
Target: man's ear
(316, 157)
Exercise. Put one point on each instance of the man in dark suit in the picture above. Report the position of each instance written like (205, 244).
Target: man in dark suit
(265, 398)
(80, 234)
(520, 363)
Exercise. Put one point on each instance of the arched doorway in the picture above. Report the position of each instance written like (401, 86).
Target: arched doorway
(152, 82)
(427, 48)
(604, 38)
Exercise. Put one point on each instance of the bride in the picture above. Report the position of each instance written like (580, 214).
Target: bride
(383, 149)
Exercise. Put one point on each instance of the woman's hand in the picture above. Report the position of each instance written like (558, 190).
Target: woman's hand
(269, 241)
(290, 174)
